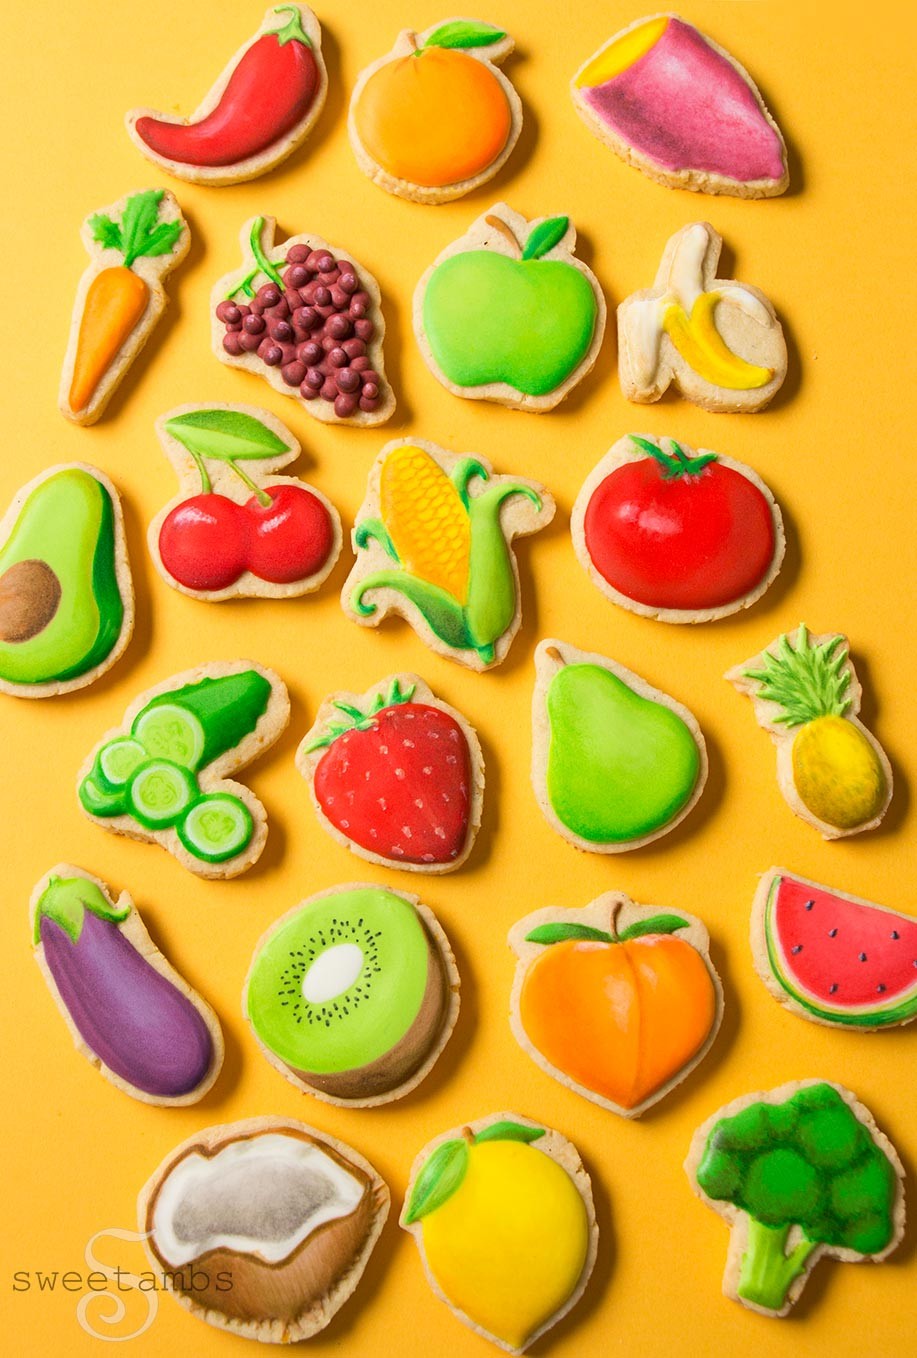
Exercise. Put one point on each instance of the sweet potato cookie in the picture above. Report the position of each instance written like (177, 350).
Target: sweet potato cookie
(162, 776)
(128, 1011)
(433, 540)
(263, 1227)
(719, 341)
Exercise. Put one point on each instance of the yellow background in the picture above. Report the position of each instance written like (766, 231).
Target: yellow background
(836, 257)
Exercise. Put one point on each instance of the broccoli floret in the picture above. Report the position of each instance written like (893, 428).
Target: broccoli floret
(807, 1163)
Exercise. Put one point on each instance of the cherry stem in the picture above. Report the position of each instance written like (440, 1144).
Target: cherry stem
(206, 483)
(262, 496)
(506, 231)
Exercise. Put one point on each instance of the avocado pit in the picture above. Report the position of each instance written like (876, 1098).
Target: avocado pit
(30, 595)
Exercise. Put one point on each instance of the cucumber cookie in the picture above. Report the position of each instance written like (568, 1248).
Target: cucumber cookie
(353, 994)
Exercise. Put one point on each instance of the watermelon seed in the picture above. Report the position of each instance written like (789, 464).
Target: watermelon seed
(895, 934)
(832, 989)
(862, 957)
(832, 933)
(880, 988)
(797, 947)
(810, 905)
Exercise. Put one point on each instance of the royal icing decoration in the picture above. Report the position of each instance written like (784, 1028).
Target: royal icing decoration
(671, 102)
(127, 1009)
(132, 245)
(832, 772)
(353, 994)
(261, 108)
(435, 118)
(615, 762)
(508, 314)
(237, 529)
(306, 317)
(396, 775)
(66, 597)
(799, 1173)
(501, 1211)
(163, 775)
(674, 534)
(618, 1001)
(719, 341)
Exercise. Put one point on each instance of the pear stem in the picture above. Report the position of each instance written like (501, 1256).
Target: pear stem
(505, 230)
(554, 654)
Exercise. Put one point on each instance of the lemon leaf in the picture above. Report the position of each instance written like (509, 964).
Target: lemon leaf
(438, 1180)
(508, 1131)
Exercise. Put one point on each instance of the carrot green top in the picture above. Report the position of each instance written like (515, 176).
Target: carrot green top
(139, 231)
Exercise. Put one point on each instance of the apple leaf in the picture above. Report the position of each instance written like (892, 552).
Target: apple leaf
(545, 236)
(437, 1181)
(508, 1131)
(225, 435)
(464, 33)
(559, 932)
(656, 924)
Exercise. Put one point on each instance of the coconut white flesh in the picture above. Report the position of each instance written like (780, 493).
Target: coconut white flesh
(261, 1196)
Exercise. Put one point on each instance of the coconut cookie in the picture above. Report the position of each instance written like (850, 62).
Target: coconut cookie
(396, 775)
(508, 314)
(353, 994)
(162, 776)
(66, 594)
(719, 341)
(833, 958)
(237, 529)
(128, 1011)
(676, 534)
(132, 245)
(618, 1002)
(263, 1227)
(501, 1211)
(615, 762)
(307, 318)
(433, 540)
(832, 772)
(435, 118)
(670, 101)
(799, 1174)
(261, 108)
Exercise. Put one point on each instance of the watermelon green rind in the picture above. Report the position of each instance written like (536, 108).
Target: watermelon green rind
(894, 1010)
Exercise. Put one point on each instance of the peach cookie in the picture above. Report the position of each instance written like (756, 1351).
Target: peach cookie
(128, 1011)
(263, 1227)
(832, 772)
(66, 596)
(674, 534)
(719, 341)
(501, 1211)
(618, 1001)
(132, 245)
(239, 531)
(508, 314)
(433, 542)
(799, 1173)
(262, 106)
(670, 101)
(396, 775)
(353, 994)
(307, 318)
(615, 762)
(435, 118)
(162, 776)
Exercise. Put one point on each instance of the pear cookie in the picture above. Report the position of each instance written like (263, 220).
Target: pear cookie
(128, 1011)
(508, 314)
(433, 540)
(396, 775)
(719, 341)
(831, 771)
(501, 1211)
(353, 994)
(435, 118)
(616, 763)
(66, 594)
(675, 534)
(236, 529)
(162, 776)
(307, 318)
(799, 1173)
(262, 1227)
(619, 1002)
(671, 102)
(261, 108)
(132, 245)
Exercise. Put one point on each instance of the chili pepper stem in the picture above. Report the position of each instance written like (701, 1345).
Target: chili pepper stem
(262, 496)
(292, 30)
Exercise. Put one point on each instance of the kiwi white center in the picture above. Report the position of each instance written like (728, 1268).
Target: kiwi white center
(332, 972)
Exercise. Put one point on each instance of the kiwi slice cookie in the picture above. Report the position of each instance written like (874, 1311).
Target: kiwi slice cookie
(353, 994)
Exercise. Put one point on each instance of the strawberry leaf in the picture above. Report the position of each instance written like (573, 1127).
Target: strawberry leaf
(545, 236)
(437, 1181)
(464, 33)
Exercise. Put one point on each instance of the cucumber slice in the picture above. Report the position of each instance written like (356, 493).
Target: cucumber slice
(168, 731)
(160, 792)
(98, 801)
(118, 760)
(217, 827)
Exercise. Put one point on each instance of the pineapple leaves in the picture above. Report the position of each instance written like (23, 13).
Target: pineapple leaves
(808, 681)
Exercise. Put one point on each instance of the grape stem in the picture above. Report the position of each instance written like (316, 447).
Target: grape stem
(262, 264)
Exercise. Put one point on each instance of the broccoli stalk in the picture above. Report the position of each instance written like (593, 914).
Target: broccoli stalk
(767, 1271)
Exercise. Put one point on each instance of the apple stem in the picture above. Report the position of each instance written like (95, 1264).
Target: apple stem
(506, 231)
(262, 496)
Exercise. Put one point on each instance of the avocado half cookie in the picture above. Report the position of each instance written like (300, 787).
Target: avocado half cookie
(353, 994)
(66, 597)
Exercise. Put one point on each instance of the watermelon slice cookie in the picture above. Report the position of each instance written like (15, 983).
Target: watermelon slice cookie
(834, 958)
